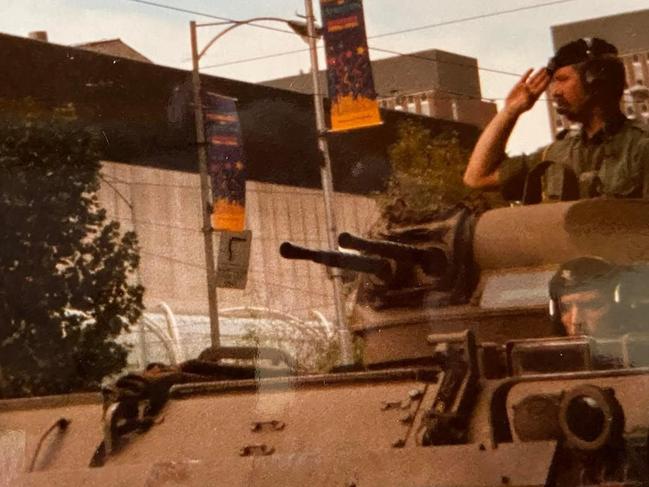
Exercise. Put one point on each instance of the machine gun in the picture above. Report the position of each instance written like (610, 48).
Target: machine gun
(387, 260)
(377, 266)
(406, 273)
(433, 260)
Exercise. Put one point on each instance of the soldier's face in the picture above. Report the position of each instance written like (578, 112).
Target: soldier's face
(584, 312)
(568, 93)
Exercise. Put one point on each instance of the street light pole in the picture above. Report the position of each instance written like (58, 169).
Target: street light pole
(206, 202)
(327, 187)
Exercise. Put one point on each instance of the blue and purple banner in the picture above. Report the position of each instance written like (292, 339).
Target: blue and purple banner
(349, 73)
(225, 162)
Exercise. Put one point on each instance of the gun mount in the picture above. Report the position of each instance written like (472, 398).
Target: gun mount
(428, 263)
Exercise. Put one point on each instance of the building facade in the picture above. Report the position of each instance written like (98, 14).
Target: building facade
(433, 83)
(629, 33)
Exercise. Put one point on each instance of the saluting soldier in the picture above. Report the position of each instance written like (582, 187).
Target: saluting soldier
(608, 155)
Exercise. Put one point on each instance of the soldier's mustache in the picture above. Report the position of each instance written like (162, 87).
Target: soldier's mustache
(559, 101)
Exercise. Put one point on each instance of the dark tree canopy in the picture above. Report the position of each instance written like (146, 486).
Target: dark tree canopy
(67, 274)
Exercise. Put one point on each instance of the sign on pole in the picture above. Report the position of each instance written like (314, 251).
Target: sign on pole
(349, 73)
(233, 259)
(225, 162)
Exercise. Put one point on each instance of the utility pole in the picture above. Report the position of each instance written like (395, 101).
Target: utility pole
(206, 200)
(327, 187)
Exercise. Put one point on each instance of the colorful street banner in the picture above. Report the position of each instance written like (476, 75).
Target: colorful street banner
(349, 73)
(225, 162)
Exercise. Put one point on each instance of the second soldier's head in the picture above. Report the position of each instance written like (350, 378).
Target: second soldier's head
(582, 297)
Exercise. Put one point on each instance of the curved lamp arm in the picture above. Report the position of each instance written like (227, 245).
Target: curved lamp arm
(237, 23)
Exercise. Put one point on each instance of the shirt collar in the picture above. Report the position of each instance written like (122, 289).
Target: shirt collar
(611, 127)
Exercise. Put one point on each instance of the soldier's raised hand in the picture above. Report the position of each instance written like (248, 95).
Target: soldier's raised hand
(524, 94)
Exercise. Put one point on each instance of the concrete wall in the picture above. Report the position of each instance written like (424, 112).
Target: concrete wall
(163, 207)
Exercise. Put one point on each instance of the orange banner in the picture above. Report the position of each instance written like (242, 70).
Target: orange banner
(349, 72)
(225, 162)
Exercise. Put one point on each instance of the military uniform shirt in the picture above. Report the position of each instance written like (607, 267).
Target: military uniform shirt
(613, 163)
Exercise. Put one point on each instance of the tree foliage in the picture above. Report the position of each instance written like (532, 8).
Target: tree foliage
(426, 175)
(66, 272)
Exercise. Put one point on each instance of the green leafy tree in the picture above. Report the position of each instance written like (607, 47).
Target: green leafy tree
(67, 285)
(426, 175)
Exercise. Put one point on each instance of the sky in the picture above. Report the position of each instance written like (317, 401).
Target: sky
(509, 42)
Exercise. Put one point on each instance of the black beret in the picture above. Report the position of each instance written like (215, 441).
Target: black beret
(579, 51)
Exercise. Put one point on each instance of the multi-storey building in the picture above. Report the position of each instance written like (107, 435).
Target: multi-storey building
(434, 83)
(629, 33)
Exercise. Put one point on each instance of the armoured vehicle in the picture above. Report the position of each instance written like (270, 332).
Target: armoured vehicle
(464, 381)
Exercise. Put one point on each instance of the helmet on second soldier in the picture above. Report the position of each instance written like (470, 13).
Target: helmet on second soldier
(582, 289)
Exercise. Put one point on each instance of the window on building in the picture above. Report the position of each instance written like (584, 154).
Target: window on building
(455, 110)
(425, 108)
(637, 71)
(412, 107)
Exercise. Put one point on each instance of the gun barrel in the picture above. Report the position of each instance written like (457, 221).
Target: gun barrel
(360, 263)
(432, 260)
